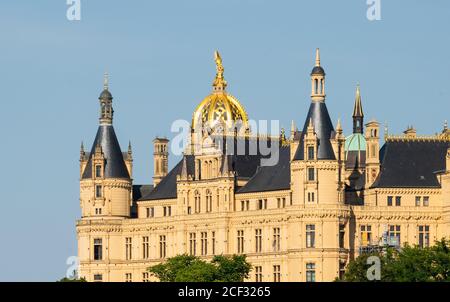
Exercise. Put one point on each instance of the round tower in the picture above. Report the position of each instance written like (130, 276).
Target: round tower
(105, 184)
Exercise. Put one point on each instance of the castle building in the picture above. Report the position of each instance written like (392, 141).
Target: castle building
(325, 200)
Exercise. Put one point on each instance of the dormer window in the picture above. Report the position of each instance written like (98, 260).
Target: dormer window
(98, 171)
(311, 153)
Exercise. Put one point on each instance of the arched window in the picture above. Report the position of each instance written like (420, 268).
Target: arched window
(208, 201)
(321, 87)
(316, 86)
(197, 200)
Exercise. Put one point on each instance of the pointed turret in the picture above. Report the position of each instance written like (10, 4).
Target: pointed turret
(184, 171)
(107, 141)
(318, 116)
(358, 115)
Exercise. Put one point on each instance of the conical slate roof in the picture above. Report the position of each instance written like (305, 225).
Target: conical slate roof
(323, 127)
(114, 164)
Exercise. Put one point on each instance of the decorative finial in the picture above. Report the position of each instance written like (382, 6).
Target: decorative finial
(338, 126)
(106, 81)
(219, 83)
(129, 147)
(386, 130)
(293, 130)
(317, 57)
(445, 125)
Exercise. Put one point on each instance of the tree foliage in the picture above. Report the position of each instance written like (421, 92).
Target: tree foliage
(409, 264)
(186, 268)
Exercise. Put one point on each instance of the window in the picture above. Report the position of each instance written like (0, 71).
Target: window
(240, 241)
(310, 196)
(98, 171)
(145, 247)
(283, 200)
(128, 277)
(366, 235)
(258, 240)
(98, 211)
(278, 202)
(311, 153)
(394, 235)
(311, 176)
(208, 201)
(276, 239)
(424, 236)
(276, 273)
(167, 211)
(192, 244)
(418, 199)
(98, 249)
(398, 201)
(426, 201)
(258, 274)
(341, 236)
(242, 205)
(145, 277)
(98, 191)
(162, 246)
(204, 243)
(150, 212)
(197, 201)
(247, 205)
(189, 210)
(389, 201)
(310, 272)
(213, 241)
(98, 278)
(128, 247)
(310, 235)
(260, 204)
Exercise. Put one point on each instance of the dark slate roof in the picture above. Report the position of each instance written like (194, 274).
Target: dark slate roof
(355, 159)
(318, 70)
(244, 165)
(324, 129)
(114, 164)
(141, 190)
(271, 178)
(411, 164)
(105, 95)
(167, 188)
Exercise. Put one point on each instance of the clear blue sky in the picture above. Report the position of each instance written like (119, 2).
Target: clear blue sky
(159, 55)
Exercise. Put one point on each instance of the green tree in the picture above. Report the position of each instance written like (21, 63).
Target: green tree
(186, 268)
(409, 264)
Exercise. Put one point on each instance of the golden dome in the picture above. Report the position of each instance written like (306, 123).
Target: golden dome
(219, 108)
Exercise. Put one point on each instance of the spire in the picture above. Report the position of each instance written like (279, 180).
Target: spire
(293, 130)
(317, 57)
(339, 126)
(225, 168)
(445, 126)
(184, 173)
(129, 148)
(358, 115)
(106, 110)
(318, 81)
(82, 152)
(219, 83)
(105, 81)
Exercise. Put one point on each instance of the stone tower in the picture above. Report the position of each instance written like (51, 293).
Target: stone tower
(372, 152)
(160, 159)
(105, 180)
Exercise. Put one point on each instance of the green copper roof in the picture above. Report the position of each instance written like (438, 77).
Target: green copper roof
(355, 142)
